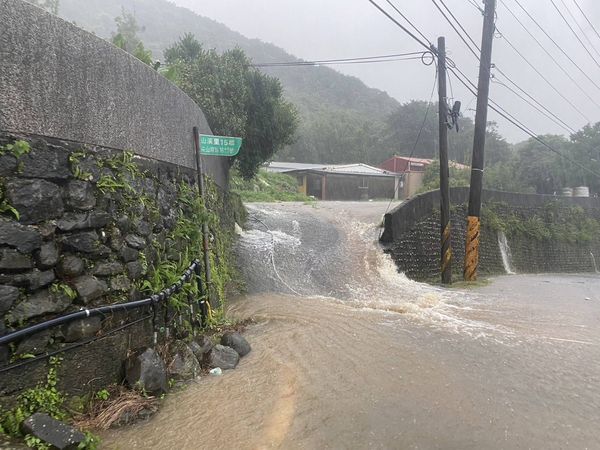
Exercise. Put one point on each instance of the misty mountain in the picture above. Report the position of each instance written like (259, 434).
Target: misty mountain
(314, 90)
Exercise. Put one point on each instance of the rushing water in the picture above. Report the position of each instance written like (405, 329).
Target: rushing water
(506, 253)
(347, 353)
(594, 262)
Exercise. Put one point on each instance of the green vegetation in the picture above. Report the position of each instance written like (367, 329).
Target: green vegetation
(237, 100)
(44, 398)
(126, 38)
(268, 187)
(556, 222)
(431, 179)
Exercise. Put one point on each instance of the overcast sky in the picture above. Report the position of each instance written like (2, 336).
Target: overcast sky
(324, 29)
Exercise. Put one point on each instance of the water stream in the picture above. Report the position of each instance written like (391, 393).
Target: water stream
(348, 353)
(506, 253)
(594, 262)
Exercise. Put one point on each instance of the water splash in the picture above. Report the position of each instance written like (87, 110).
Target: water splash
(506, 253)
(594, 262)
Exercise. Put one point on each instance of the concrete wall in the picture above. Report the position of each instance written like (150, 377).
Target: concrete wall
(57, 80)
(412, 235)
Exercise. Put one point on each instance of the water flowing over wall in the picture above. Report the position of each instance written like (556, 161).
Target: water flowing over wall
(412, 235)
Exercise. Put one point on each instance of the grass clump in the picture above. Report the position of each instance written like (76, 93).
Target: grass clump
(268, 187)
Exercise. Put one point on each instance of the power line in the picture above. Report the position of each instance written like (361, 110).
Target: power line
(554, 60)
(318, 63)
(572, 16)
(574, 33)
(408, 20)
(335, 60)
(553, 41)
(546, 112)
(586, 18)
(428, 45)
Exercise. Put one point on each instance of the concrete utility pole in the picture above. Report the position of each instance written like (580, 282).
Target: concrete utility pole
(446, 252)
(483, 89)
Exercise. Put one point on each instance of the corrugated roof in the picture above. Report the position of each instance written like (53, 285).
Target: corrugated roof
(347, 169)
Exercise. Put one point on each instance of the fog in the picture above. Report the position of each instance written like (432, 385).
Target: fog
(317, 29)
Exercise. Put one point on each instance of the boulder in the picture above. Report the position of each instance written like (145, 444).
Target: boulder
(124, 223)
(81, 329)
(8, 296)
(80, 221)
(223, 357)
(48, 162)
(25, 239)
(40, 303)
(35, 344)
(143, 228)
(70, 266)
(53, 432)
(37, 279)
(128, 254)
(135, 270)
(89, 288)
(36, 200)
(184, 365)
(237, 342)
(106, 269)
(47, 257)
(8, 165)
(135, 241)
(145, 370)
(120, 283)
(201, 346)
(85, 242)
(11, 259)
(80, 195)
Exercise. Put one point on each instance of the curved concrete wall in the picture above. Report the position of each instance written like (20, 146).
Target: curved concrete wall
(60, 81)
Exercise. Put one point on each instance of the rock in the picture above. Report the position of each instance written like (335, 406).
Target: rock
(51, 431)
(47, 229)
(128, 254)
(36, 200)
(11, 259)
(85, 242)
(35, 344)
(40, 303)
(124, 223)
(47, 257)
(80, 221)
(183, 365)
(115, 239)
(135, 241)
(201, 346)
(81, 329)
(8, 165)
(49, 162)
(106, 269)
(24, 239)
(89, 288)
(135, 270)
(120, 283)
(80, 195)
(146, 371)
(237, 342)
(8, 296)
(37, 279)
(70, 266)
(223, 357)
(143, 228)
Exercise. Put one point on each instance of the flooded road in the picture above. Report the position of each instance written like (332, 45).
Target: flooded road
(349, 354)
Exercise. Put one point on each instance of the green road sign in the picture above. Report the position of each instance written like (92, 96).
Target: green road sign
(219, 145)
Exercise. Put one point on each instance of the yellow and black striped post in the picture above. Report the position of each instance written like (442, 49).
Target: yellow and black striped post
(446, 251)
(483, 89)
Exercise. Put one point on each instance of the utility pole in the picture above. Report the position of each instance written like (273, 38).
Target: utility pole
(483, 89)
(446, 250)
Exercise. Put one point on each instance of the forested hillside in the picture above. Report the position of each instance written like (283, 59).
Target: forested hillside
(328, 101)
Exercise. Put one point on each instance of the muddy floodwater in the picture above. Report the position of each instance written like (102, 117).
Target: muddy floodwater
(349, 354)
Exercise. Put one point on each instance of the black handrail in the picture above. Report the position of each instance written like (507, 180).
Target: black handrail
(103, 310)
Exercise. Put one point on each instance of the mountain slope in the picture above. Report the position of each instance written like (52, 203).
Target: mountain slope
(312, 89)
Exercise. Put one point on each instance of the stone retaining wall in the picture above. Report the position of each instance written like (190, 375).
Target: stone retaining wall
(412, 235)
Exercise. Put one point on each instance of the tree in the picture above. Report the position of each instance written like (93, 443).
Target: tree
(585, 148)
(126, 38)
(237, 100)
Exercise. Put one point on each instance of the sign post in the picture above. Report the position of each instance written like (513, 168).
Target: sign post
(209, 145)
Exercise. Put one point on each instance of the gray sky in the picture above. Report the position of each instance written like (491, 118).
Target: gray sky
(322, 29)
